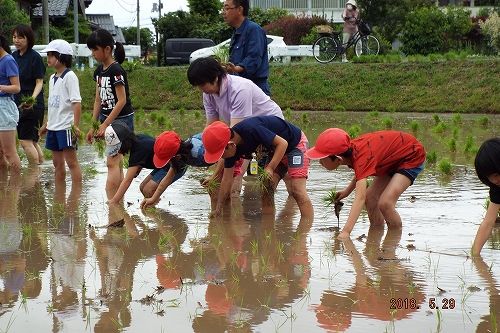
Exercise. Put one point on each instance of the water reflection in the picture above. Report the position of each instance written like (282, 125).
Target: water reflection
(489, 322)
(385, 289)
(263, 262)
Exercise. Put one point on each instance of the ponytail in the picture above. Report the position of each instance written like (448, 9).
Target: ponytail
(4, 44)
(119, 53)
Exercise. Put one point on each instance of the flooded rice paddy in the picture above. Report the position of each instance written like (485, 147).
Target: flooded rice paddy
(171, 269)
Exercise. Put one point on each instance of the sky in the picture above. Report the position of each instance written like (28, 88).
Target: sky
(124, 11)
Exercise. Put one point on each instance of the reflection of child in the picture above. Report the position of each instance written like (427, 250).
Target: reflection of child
(487, 166)
(64, 111)
(286, 142)
(350, 15)
(394, 158)
(174, 155)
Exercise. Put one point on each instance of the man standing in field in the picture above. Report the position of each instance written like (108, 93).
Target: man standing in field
(248, 48)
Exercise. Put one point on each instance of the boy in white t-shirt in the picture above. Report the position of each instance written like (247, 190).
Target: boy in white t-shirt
(64, 106)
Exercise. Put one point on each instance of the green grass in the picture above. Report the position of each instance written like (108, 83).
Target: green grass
(459, 86)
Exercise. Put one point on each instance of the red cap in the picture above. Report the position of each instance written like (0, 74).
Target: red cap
(333, 141)
(166, 146)
(215, 138)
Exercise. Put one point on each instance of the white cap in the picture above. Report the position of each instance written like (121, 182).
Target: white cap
(60, 46)
(114, 135)
(351, 2)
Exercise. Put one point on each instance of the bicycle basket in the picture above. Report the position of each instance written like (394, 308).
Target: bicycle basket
(324, 29)
(364, 28)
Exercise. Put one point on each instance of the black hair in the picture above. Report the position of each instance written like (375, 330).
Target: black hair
(487, 160)
(25, 31)
(243, 3)
(103, 38)
(205, 70)
(347, 153)
(185, 148)
(127, 143)
(4, 44)
(65, 59)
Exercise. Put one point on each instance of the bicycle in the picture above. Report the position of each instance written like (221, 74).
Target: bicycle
(329, 45)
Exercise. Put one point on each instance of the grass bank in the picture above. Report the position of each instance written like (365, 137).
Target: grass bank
(466, 86)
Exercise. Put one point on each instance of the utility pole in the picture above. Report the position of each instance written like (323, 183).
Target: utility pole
(138, 28)
(45, 19)
(158, 36)
(75, 26)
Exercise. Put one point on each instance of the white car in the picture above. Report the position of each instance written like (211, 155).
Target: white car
(275, 45)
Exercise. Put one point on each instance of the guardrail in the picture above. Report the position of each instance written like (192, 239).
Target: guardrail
(81, 50)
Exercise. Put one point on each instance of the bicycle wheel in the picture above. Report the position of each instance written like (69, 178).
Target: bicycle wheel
(325, 49)
(367, 45)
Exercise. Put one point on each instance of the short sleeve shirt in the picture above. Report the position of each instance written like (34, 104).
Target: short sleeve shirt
(384, 152)
(495, 194)
(31, 68)
(63, 91)
(257, 131)
(239, 98)
(107, 80)
(141, 154)
(8, 69)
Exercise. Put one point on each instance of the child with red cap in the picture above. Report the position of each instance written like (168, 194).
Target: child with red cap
(121, 140)
(285, 142)
(174, 155)
(394, 158)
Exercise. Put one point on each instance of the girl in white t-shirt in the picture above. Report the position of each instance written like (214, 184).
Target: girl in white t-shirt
(64, 109)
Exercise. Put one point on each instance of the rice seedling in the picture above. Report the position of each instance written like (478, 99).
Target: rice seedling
(439, 317)
(354, 131)
(469, 144)
(161, 120)
(153, 116)
(222, 54)
(264, 182)
(47, 154)
(388, 122)
(445, 166)
(452, 145)
(414, 125)
(28, 101)
(483, 121)
(305, 118)
(431, 157)
(493, 321)
(457, 119)
(454, 133)
(436, 118)
(197, 114)
(440, 128)
(374, 114)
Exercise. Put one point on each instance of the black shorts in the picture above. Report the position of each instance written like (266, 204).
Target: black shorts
(30, 122)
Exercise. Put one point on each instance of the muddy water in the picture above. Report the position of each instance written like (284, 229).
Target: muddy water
(254, 270)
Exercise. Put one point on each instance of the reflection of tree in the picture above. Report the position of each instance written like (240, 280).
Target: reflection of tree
(372, 293)
(490, 321)
(264, 262)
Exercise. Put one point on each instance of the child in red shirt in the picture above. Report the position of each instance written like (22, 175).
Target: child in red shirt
(394, 158)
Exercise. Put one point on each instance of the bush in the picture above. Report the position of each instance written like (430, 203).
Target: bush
(263, 17)
(430, 30)
(292, 28)
(491, 28)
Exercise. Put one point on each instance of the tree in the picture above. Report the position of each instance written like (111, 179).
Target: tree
(389, 16)
(130, 35)
(10, 16)
(209, 8)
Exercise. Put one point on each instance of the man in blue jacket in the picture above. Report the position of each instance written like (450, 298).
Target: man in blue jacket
(248, 49)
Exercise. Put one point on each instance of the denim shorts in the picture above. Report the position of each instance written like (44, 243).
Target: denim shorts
(158, 174)
(9, 114)
(412, 173)
(129, 120)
